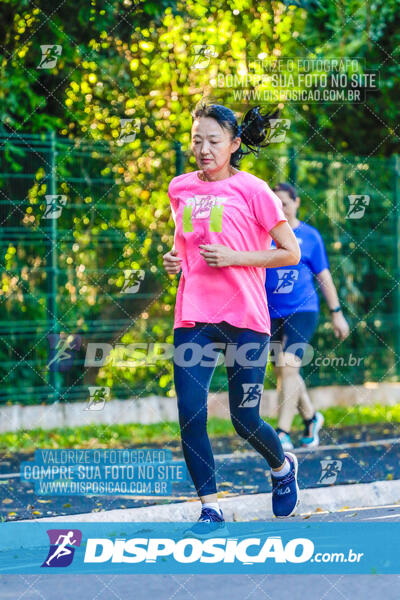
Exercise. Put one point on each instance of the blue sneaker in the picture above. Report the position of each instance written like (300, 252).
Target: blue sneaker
(210, 523)
(286, 442)
(311, 437)
(285, 491)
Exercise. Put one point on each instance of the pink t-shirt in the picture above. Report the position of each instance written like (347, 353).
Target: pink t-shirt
(237, 212)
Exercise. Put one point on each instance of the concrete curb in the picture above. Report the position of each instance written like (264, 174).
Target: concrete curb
(252, 506)
(155, 409)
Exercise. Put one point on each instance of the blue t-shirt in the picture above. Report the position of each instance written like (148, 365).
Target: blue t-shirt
(291, 289)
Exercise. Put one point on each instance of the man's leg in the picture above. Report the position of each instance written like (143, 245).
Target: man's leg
(291, 388)
(306, 408)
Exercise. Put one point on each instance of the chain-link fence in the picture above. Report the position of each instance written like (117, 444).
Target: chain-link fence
(83, 230)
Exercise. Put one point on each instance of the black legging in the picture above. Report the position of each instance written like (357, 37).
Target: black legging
(192, 381)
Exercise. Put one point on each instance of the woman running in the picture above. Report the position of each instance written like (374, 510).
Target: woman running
(224, 221)
(294, 309)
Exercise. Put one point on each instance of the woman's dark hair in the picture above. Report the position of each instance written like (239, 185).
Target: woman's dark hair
(255, 128)
(286, 187)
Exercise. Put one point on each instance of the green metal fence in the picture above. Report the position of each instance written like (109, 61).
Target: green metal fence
(63, 276)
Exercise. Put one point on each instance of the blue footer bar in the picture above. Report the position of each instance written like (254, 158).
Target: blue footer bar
(254, 547)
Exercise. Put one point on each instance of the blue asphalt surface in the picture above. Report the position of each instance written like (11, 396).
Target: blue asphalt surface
(239, 473)
(200, 587)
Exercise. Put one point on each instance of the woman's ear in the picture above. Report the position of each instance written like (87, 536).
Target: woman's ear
(236, 143)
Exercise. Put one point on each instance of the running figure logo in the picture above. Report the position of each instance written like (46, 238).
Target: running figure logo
(61, 550)
(202, 55)
(62, 351)
(50, 56)
(133, 279)
(98, 397)
(54, 206)
(251, 394)
(129, 129)
(287, 279)
(357, 206)
(279, 128)
(330, 469)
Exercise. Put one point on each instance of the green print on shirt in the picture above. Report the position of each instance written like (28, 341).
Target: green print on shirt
(187, 219)
(215, 219)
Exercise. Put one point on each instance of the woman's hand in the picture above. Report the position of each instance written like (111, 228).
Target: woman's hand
(172, 262)
(217, 255)
(341, 328)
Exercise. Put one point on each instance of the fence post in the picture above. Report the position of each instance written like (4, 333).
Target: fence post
(292, 166)
(178, 158)
(396, 226)
(52, 272)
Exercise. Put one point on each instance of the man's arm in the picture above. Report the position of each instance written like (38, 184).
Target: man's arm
(340, 325)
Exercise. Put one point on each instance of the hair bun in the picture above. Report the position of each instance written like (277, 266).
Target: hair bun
(256, 128)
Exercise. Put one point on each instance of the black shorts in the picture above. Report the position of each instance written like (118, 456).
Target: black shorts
(294, 332)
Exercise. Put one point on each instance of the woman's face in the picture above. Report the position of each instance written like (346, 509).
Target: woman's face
(212, 145)
(289, 205)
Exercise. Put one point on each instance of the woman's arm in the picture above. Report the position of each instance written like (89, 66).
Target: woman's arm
(340, 325)
(286, 253)
(287, 250)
